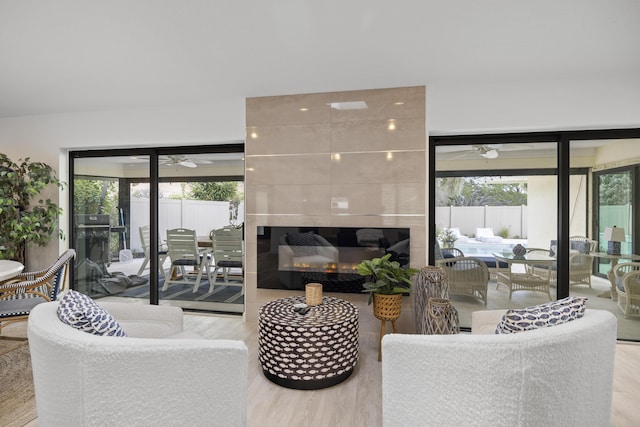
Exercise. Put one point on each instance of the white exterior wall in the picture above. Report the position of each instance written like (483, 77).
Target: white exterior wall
(542, 218)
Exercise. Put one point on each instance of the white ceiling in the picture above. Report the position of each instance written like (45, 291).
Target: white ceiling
(87, 55)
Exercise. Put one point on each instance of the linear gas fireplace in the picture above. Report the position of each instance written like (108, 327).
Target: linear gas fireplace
(291, 257)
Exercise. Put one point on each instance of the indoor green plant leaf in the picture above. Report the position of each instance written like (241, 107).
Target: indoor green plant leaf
(385, 276)
(23, 222)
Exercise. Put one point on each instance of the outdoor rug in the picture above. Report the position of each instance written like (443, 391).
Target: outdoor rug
(17, 396)
(184, 292)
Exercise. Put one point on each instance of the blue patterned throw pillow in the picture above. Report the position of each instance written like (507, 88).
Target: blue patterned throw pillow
(542, 316)
(81, 312)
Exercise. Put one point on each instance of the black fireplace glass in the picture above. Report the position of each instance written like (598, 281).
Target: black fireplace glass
(291, 257)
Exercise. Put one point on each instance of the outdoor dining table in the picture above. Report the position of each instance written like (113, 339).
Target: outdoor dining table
(517, 281)
(9, 269)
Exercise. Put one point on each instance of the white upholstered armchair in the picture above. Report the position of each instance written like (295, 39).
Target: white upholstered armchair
(554, 376)
(157, 375)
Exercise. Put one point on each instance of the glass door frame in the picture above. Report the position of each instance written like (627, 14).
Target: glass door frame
(563, 172)
(634, 171)
(154, 180)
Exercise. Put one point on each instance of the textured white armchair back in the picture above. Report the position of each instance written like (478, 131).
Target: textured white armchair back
(557, 376)
(82, 379)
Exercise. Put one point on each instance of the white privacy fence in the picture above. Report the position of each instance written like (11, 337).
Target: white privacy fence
(202, 216)
(468, 218)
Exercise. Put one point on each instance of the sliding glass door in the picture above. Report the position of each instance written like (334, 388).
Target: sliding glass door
(100, 229)
(194, 199)
(579, 187)
(492, 198)
(124, 204)
(614, 191)
(616, 222)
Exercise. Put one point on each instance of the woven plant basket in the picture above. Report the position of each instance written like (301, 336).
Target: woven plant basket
(443, 317)
(387, 307)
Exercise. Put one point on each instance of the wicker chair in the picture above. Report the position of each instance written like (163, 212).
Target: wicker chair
(593, 245)
(452, 253)
(539, 270)
(24, 291)
(467, 276)
(626, 277)
(580, 267)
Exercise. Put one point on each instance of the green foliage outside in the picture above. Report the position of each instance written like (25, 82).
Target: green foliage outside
(97, 196)
(141, 192)
(468, 192)
(93, 196)
(218, 191)
(504, 232)
(23, 222)
(615, 189)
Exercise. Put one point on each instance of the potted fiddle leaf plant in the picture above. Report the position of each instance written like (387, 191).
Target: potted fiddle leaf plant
(386, 282)
(25, 219)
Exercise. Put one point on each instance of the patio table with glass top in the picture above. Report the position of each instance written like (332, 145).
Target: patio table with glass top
(525, 281)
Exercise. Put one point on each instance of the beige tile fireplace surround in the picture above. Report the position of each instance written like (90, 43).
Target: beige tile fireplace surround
(337, 159)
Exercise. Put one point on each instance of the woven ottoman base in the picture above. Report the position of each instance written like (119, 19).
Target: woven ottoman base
(307, 384)
(316, 350)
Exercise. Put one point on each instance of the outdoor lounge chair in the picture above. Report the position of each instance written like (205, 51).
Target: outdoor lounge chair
(486, 235)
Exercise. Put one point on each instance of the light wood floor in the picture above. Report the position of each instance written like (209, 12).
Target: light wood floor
(357, 401)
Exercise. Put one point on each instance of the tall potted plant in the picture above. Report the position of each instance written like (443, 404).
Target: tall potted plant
(386, 283)
(23, 222)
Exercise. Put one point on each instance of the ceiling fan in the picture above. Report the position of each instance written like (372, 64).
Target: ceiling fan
(180, 160)
(493, 151)
(488, 151)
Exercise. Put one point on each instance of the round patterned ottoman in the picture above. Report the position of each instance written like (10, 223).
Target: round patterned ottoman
(316, 350)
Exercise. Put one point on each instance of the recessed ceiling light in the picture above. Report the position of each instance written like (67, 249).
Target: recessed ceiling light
(353, 105)
(398, 103)
(304, 109)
